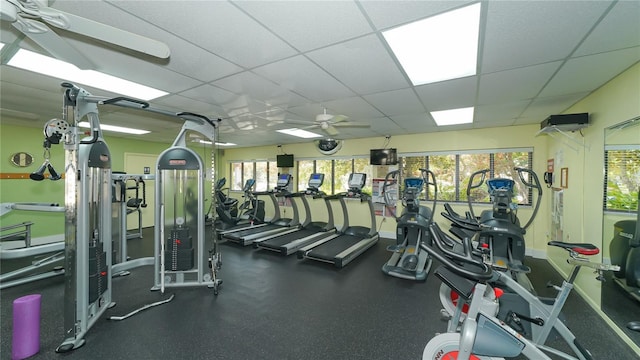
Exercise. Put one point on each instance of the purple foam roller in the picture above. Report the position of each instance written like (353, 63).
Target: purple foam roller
(26, 326)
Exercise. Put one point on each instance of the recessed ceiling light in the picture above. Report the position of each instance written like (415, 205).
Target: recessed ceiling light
(113, 128)
(438, 48)
(453, 116)
(299, 133)
(28, 60)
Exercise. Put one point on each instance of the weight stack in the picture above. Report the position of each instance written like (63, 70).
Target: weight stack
(179, 254)
(98, 272)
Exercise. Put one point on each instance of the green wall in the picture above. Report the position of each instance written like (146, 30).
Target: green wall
(25, 139)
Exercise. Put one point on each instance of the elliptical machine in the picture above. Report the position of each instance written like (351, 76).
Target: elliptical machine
(498, 232)
(231, 214)
(408, 261)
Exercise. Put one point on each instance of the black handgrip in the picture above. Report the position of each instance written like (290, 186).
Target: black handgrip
(123, 98)
(449, 258)
(186, 113)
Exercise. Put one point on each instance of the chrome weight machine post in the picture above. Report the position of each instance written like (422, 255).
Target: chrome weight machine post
(87, 220)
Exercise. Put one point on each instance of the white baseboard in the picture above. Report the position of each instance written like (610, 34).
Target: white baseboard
(538, 254)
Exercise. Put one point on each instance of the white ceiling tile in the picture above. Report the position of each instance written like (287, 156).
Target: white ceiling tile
(223, 30)
(259, 89)
(542, 107)
(308, 25)
(355, 68)
(414, 123)
(396, 102)
(386, 14)
(569, 79)
(353, 107)
(503, 112)
(516, 84)
(607, 35)
(199, 63)
(303, 77)
(509, 42)
(452, 94)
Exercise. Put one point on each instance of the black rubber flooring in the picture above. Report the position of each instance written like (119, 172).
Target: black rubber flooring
(275, 307)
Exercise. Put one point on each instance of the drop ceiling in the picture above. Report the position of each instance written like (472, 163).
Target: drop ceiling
(261, 66)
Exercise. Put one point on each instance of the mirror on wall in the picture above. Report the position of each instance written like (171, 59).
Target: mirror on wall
(621, 240)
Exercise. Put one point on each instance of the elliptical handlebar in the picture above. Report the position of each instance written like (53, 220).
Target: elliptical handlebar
(450, 258)
(430, 179)
(390, 179)
(534, 185)
(472, 186)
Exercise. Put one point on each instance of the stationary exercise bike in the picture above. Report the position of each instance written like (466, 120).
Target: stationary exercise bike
(624, 249)
(498, 232)
(481, 334)
(407, 260)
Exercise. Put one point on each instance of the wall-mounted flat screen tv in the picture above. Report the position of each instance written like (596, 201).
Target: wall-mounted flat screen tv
(383, 157)
(284, 161)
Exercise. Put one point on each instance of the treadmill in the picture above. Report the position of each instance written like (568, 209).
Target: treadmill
(287, 244)
(276, 225)
(350, 241)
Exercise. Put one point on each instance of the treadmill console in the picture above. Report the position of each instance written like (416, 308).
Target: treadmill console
(356, 183)
(283, 181)
(315, 181)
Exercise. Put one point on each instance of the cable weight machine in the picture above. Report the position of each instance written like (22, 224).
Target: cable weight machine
(181, 259)
(88, 209)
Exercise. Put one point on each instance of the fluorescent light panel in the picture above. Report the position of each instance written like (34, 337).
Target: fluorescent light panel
(28, 60)
(299, 133)
(438, 48)
(453, 116)
(217, 143)
(113, 128)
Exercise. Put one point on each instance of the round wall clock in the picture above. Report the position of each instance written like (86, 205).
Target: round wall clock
(21, 159)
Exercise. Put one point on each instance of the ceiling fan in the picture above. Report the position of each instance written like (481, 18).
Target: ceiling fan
(34, 18)
(329, 123)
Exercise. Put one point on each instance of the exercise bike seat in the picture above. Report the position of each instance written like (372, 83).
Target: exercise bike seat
(580, 248)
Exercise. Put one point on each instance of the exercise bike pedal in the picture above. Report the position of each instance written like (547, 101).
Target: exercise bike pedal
(395, 248)
(445, 314)
(555, 287)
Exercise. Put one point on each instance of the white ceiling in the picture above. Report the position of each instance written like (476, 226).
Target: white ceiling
(263, 65)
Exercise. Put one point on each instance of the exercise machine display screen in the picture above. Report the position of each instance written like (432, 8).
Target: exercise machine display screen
(316, 180)
(413, 183)
(495, 184)
(357, 180)
(283, 180)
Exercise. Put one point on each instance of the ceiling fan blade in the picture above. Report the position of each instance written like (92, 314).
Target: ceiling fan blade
(352, 124)
(301, 122)
(52, 43)
(106, 33)
(339, 118)
(331, 130)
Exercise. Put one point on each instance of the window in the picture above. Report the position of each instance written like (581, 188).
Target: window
(264, 172)
(453, 172)
(305, 169)
(262, 175)
(326, 167)
(622, 178)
